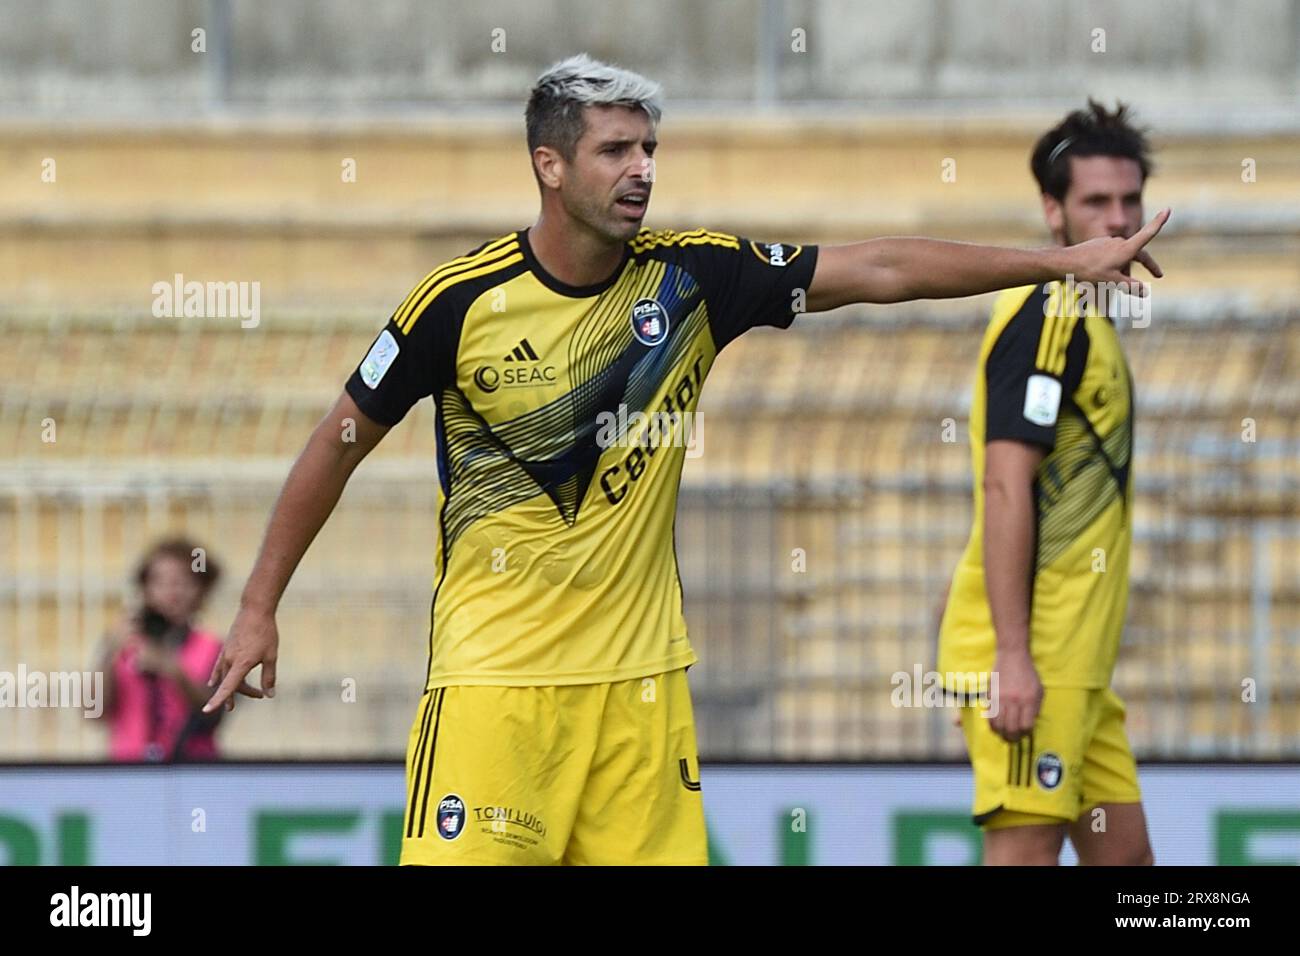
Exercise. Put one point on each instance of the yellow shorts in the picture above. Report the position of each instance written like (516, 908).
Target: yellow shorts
(585, 774)
(1077, 756)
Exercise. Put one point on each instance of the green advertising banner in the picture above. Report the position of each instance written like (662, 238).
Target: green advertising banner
(281, 815)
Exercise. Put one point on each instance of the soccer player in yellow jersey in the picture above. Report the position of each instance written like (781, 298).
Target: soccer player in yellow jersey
(565, 361)
(1040, 593)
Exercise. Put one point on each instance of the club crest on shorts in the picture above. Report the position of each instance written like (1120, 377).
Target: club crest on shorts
(649, 321)
(451, 816)
(1049, 769)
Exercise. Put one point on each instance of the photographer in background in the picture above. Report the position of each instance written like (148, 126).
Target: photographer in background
(156, 662)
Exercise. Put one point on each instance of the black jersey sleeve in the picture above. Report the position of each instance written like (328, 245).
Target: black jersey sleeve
(748, 283)
(409, 359)
(1026, 382)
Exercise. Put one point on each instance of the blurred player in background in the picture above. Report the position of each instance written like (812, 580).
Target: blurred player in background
(556, 723)
(156, 662)
(1040, 594)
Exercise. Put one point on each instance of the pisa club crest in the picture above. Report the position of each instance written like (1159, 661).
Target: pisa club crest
(649, 322)
(451, 816)
(1050, 770)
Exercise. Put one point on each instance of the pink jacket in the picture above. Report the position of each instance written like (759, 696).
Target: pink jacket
(151, 712)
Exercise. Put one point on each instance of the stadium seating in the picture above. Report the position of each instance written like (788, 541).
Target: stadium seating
(829, 439)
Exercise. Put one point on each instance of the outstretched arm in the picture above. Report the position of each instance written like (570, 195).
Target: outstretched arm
(902, 269)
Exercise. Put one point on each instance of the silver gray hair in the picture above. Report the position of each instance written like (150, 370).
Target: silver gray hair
(555, 105)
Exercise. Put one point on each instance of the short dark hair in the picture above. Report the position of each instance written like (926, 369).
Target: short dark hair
(1095, 131)
(181, 549)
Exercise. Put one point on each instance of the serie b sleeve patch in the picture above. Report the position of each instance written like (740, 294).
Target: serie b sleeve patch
(1042, 399)
(379, 359)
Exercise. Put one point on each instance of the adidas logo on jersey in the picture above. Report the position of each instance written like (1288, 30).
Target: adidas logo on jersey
(522, 352)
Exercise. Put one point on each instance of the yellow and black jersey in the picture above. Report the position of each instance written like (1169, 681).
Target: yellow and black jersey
(563, 420)
(1053, 373)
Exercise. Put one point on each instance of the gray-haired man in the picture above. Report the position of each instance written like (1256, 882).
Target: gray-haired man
(566, 362)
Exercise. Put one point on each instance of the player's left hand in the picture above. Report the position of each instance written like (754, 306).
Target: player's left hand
(1108, 259)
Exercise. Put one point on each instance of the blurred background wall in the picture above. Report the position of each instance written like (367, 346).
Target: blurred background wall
(128, 155)
(86, 58)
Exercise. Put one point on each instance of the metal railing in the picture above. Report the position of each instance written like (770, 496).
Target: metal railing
(815, 539)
